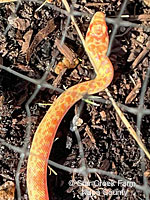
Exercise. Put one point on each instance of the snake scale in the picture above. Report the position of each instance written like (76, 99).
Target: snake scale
(97, 43)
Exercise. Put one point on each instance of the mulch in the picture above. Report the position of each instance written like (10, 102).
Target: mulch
(29, 47)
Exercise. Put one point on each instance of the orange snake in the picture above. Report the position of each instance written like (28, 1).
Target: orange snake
(97, 43)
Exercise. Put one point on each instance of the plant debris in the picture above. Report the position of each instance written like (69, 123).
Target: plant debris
(49, 28)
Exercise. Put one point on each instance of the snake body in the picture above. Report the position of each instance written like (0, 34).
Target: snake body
(97, 43)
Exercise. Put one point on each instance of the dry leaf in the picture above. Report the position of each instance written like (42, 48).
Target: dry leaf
(50, 27)
(87, 129)
(65, 50)
(69, 59)
(132, 95)
(16, 22)
(1, 101)
(7, 191)
(27, 38)
(65, 64)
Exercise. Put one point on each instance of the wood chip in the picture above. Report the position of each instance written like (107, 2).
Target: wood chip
(144, 17)
(132, 95)
(27, 38)
(7, 191)
(87, 129)
(19, 23)
(118, 123)
(59, 78)
(79, 122)
(1, 101)
(49, 28)
(141, 55)
(103, 115)
(24, 68)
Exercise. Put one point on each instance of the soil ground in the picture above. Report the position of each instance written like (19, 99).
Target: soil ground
(106, 142)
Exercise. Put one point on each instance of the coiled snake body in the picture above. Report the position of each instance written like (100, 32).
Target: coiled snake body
(97, 44)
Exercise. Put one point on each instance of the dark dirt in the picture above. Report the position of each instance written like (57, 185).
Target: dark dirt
(112, 149)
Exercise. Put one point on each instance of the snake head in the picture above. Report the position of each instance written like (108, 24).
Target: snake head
(97, 36)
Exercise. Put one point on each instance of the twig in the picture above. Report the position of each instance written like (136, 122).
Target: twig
(7, 1)
(96, 4)
(141, 55)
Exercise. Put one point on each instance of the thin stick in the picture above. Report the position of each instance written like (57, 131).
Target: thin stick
(46, 1)
(7, 1)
